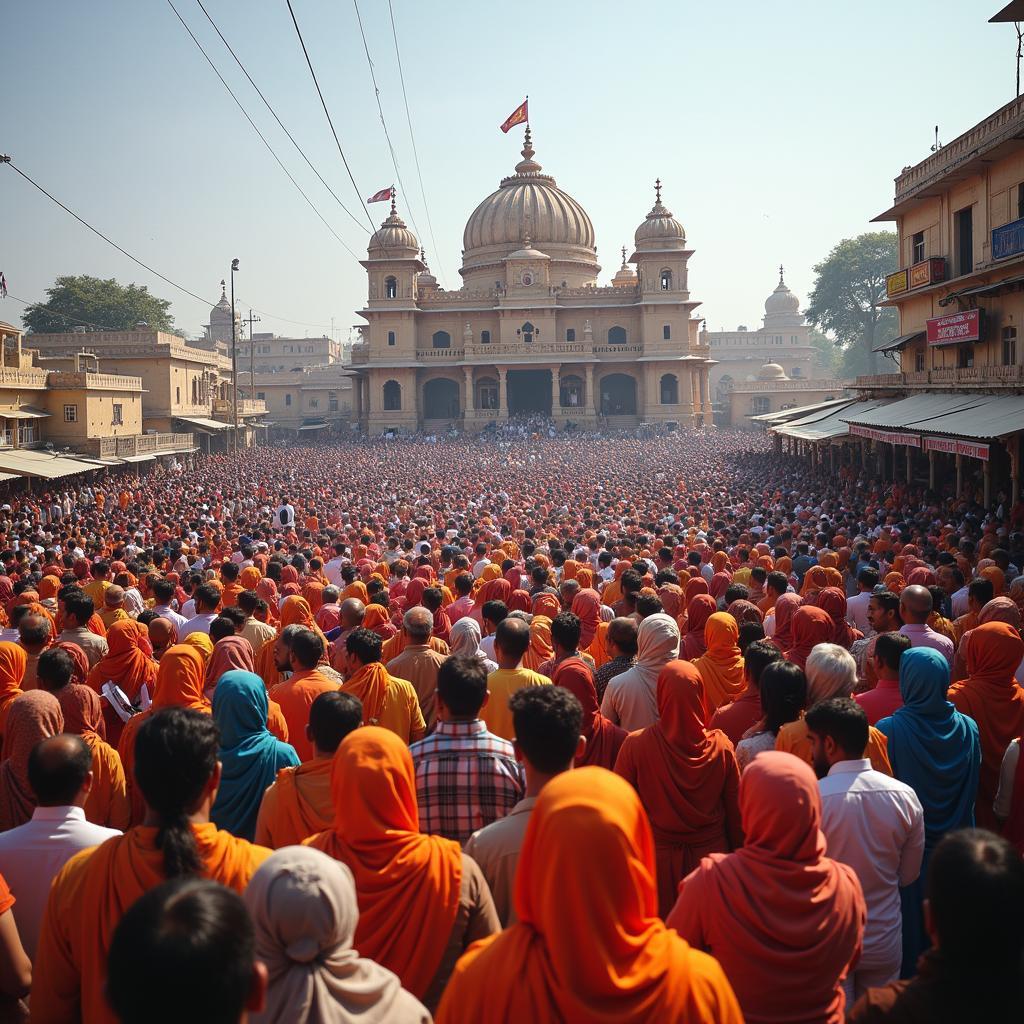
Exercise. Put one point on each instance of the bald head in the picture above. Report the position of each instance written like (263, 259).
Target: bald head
(352, 611)
(419, 624)
(162, 634)
(915, 605)
(60, 771)
(511, 640)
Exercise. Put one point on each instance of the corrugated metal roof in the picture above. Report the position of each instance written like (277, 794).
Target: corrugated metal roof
(915, 413)
(896, 343)
(790, 414)
(27, 462)
(824, 428)
(993, 418)
(203, 423)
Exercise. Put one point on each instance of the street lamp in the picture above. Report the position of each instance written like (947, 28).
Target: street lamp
(234, 357)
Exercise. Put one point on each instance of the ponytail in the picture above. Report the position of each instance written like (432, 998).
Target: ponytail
(175, 756)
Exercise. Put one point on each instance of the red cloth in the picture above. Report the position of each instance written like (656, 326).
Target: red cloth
(784, 920)
(698, 611)
(687, 779)
(586, 606)
(833, 601)
(811, 626)
(736, 718)
(604, 737)
(785, 608)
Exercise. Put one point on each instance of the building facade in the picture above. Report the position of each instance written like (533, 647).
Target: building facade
(774, 391)
(783, 340)
(311, 402)
(530, 332)
(185, 388)
(267, 353)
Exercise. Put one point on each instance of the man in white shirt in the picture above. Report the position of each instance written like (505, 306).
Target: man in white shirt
(857, 606)
(873, 823)
(332, 569)
(284, 517)
(206, 597)
(31, 855)
(163, 594)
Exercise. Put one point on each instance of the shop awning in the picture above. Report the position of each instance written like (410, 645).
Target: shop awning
(4, 477)
(982, 289)
(313, 426)
(825, 427)
(915, 413)
(803, 410)
(23, 412)
(897, 343)
(29, 462)
(995, 417)
(138, 458)
(208, 426)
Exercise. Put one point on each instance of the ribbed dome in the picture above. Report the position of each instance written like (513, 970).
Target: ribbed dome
(393, 240)
(528, 204)
(782, 300)
(772, 371)
(660, 230)
(221, 313)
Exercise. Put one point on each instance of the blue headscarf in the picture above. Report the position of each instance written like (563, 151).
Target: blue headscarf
(250, 755)
(932, 746)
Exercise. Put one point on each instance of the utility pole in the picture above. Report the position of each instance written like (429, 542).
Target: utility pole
(234, 358)
(252, 355)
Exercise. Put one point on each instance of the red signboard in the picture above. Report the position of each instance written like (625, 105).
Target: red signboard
(888, 436)
(955, 328)
(953, 446)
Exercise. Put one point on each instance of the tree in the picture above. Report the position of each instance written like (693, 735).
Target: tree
(849, 286)
(90, 301)
(826, 354)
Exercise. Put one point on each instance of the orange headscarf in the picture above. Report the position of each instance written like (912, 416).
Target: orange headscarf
(128, 662)
(370, 685)
(589, 944)
(408, 883)
(540, 649)
(13, 661)
(721, 665)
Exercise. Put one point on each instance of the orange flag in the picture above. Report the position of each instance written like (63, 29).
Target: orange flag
(518, 116)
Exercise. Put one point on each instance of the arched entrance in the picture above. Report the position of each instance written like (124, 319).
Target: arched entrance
(618, 395)
(669, 389)
(440, 399)
(487, 393)
(572, 392)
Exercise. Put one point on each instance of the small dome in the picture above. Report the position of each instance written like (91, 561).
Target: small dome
(625, 277)
(772, 371)
(660, 230)
(221, 313)
(527, 253)
(782, 300)
(425, 280)
(393, 240)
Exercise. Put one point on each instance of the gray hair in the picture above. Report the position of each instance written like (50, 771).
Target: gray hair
(831, 672)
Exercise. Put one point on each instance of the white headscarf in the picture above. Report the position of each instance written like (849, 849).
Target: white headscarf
(464, 640)
(657, 644)
(303, 905)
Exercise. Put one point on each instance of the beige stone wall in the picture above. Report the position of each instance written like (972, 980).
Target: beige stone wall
(94, 411)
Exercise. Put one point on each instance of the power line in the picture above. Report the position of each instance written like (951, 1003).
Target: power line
(273, 112)
(258, 132)
(380, 110)
(412, 137)
(124, 252)
(323, 103)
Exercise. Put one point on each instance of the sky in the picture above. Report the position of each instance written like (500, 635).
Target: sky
(776, 129)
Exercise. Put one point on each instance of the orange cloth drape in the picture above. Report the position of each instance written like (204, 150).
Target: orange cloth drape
(128, 663)
(87, 900)
(297, 806)
(721, 665)
(589, 945)
(13, 661)
(407, 883)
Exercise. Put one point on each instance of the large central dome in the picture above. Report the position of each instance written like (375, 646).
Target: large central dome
(528, 204)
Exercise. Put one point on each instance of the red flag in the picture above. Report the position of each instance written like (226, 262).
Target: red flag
(382, 196)
(518, 116)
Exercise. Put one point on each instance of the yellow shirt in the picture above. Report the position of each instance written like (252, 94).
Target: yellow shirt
(401, 712)
(96, 589)
(502, 684)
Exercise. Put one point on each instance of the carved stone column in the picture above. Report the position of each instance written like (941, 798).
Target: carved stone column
(556, 391)
(468, 371)
(503, 392)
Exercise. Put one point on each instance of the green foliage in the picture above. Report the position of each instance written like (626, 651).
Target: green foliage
(849, 286)
(85, 300)
(826, 357)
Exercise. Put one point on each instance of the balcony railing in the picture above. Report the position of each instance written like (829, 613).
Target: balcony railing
(246, 407)
(965, 376)
(137, 444)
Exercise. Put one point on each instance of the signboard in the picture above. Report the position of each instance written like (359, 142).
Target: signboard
(896, 283)
(927, 272)
(955, 328)
(954, 446)
(1008, 240)
(888, 436)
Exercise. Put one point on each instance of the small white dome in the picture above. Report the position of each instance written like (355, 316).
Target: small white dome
(393, 240)
(660, 230)
(772, 371)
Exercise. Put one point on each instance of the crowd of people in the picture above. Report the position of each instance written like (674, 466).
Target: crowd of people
(510, 728)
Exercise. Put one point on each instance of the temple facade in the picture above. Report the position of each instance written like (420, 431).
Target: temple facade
(530, 332)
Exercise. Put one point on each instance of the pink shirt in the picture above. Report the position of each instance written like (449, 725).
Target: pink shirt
(460, 609)
(924, 636)
(882, 701)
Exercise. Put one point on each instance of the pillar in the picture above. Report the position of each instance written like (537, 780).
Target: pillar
(502, 392)
(357, 398)
(910, 464)
(1014, 449)
(556, 391)
(705, 397)
(931, 469)
(589, 399)
(695, 395)
(468, 405)
(959, 475)
(986, 472)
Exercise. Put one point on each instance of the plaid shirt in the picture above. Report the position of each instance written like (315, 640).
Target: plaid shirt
(466, 777)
